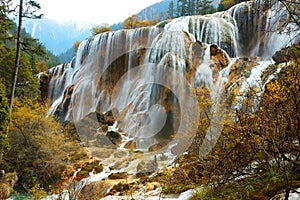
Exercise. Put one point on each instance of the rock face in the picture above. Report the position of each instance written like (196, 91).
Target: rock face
(114, 137)
(287, 54)
(145, 168)
(219, 57)
(7, 182)
(133, 71)
(94, 190)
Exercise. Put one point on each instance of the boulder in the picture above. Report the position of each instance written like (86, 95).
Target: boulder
(219, 56)
(87, 167)
(119, 175)
(130, 145)
(95, 190)
(287, 54)
(7, 182)
(145, 168)
(114, 137)
(158, 146)
(106, 118)
(104, 141)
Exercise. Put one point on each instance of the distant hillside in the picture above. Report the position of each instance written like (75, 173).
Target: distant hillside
(67, 55)
(157, 10)
(55, 36)
(59, 38)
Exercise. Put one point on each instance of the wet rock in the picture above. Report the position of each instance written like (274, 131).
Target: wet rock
(89, 167)
(95, 190)
(145, 168)
(7, 182)
(238, 72)
(104, 128)
(120, 188)
(287, 54)
(219, 56)
(114, 137)
(44, 85)
(130, 145)
(119, 175)
(104, 141)
(158, 146)
(106, 118)
(163, 157)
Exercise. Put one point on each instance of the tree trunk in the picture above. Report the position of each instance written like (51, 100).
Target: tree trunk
(287, 194)
(17, 61)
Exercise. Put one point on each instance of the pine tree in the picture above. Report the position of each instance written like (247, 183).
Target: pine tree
(29, 11)
(171, 10)
(206, 7)
(4, 119)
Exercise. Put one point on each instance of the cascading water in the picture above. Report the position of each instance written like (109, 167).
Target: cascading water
(145, 76)
(138, 72)
(218, 28)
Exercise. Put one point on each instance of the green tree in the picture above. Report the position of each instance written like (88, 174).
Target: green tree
(171, 10)
(27, 82)
(4, 119)
(206, 7)
(29, 11)
(5, 22)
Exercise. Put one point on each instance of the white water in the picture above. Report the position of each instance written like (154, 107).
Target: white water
(203, 74)
(165, 61)
(253, 84)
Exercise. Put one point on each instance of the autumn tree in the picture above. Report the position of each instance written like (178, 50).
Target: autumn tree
(101, 29)
(134, 22)
(31, 155)
(76, 45)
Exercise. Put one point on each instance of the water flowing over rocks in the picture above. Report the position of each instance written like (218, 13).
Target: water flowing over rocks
(130, 92)
(130, 72)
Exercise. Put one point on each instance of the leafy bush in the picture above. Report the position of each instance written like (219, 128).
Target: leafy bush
(41, 150)
(101, 29)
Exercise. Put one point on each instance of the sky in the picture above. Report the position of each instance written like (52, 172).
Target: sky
(94, 11)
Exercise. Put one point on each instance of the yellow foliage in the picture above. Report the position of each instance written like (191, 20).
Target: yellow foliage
(133, 22)
(40, 147)
(76, 45)
(101, 29)
(228, 3)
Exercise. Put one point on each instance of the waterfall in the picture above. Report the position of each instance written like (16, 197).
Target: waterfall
(218, 28)
(146, 74)
(204, 74)
(164, 65)
(90, 70)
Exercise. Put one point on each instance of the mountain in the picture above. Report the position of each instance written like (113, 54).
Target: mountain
(57, 37)
(157, 10)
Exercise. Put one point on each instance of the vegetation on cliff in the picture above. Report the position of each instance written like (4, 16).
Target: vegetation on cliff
(257, 154)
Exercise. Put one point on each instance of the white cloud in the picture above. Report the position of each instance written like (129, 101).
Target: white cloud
(96, 11)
